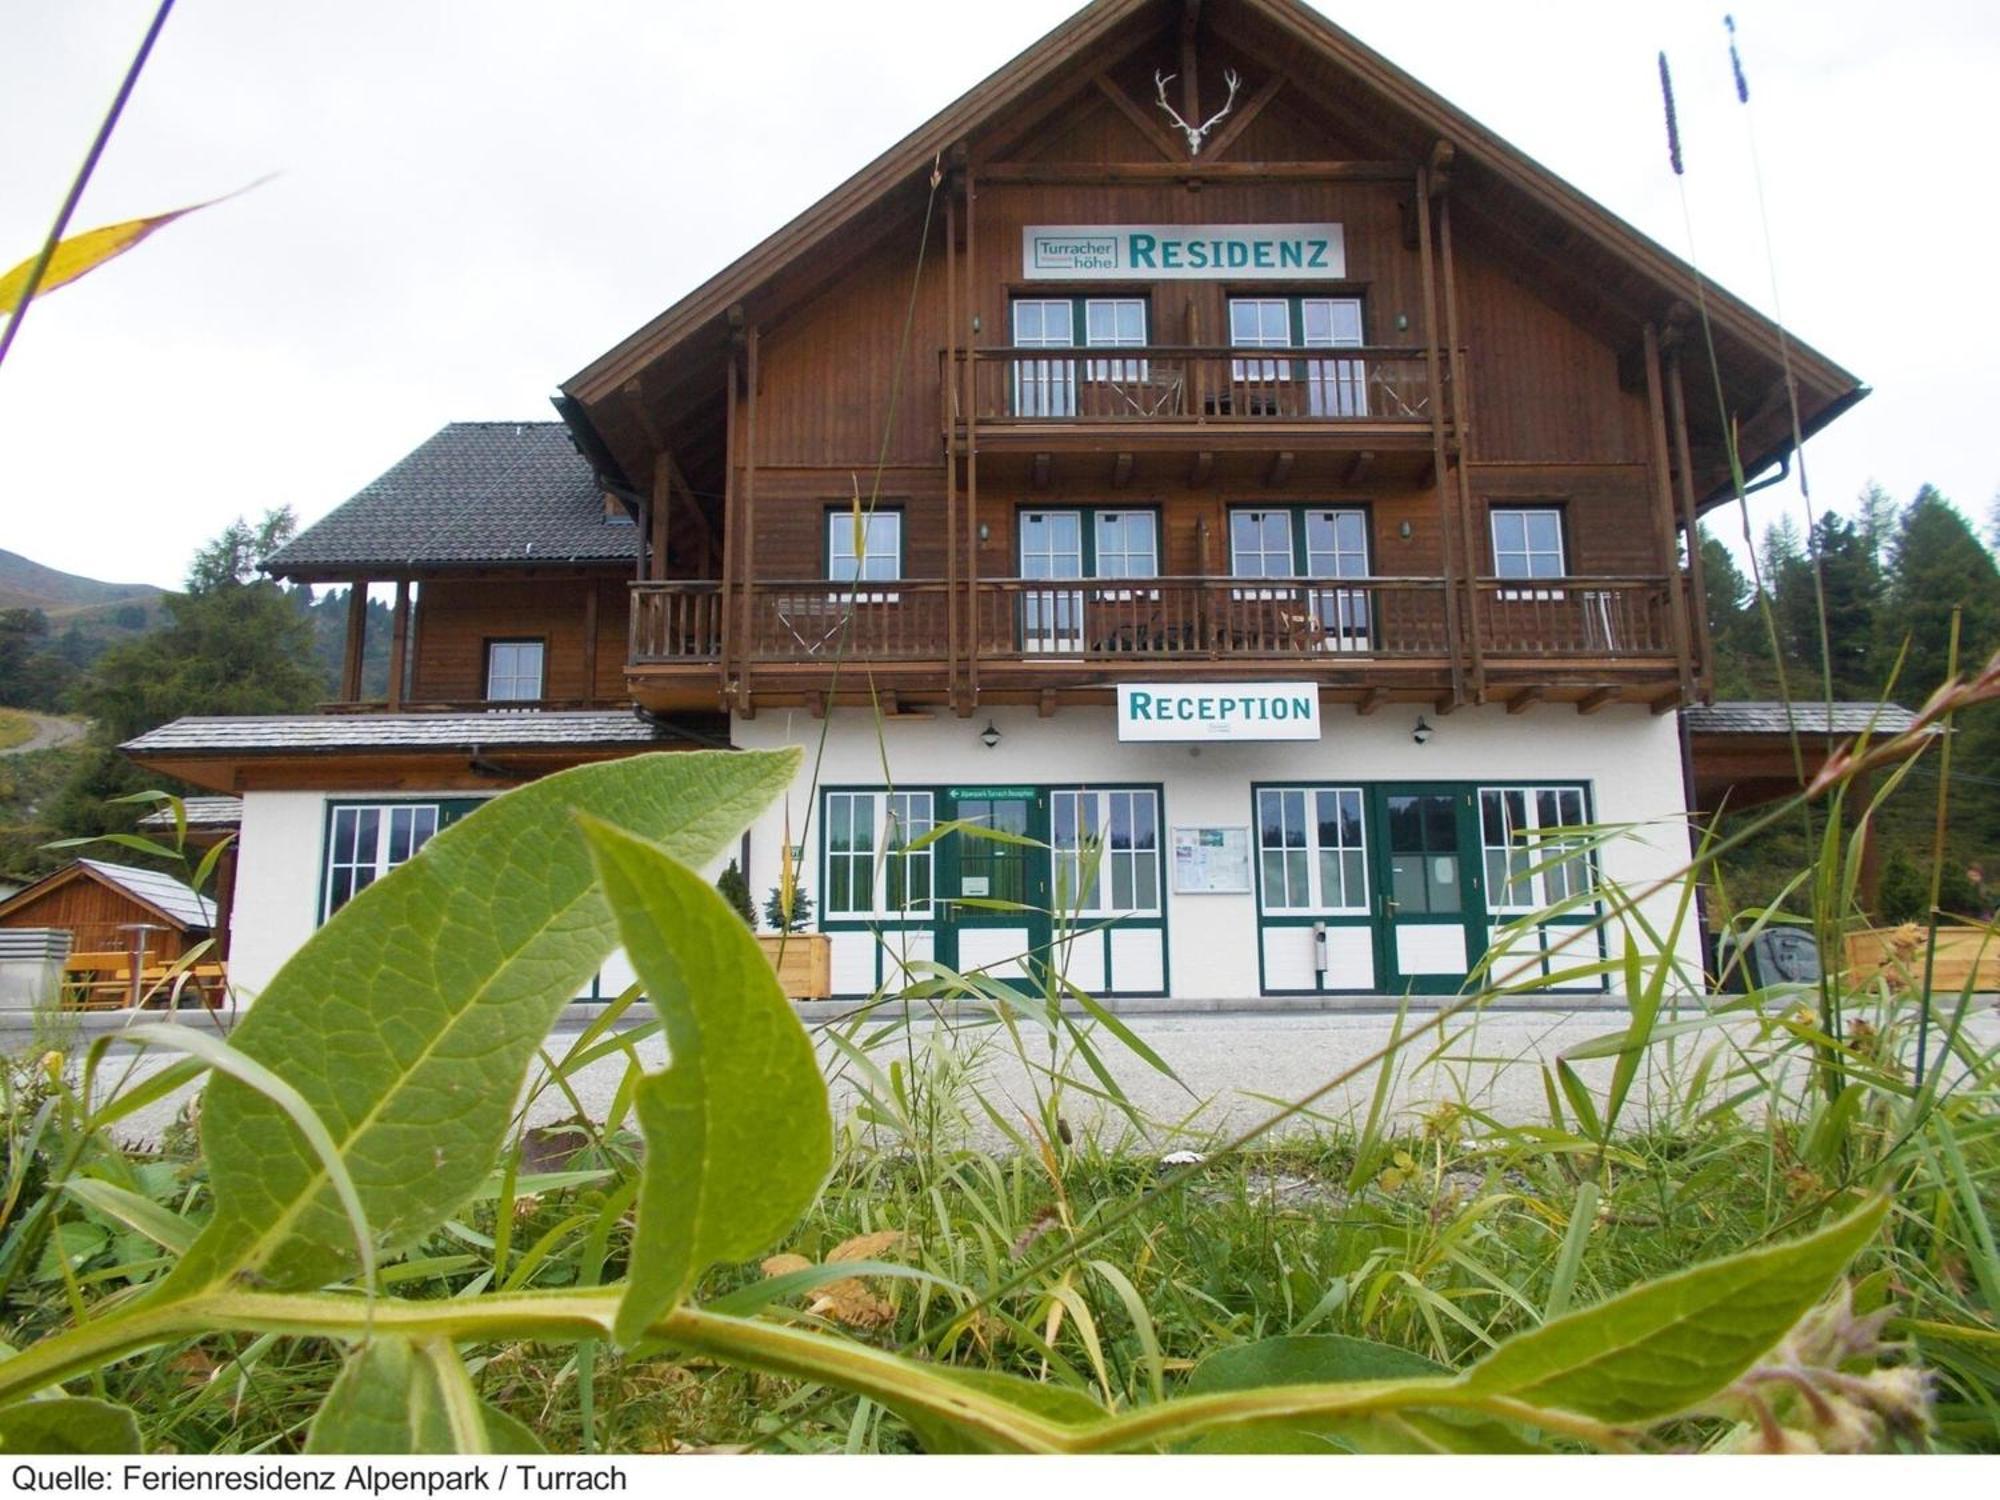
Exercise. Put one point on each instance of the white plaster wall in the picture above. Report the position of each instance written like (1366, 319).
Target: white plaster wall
(1628, 756)
(277, 883)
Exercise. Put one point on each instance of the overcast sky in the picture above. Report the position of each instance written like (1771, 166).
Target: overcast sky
(475, 199)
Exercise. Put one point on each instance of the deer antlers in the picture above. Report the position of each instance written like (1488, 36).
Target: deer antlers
(1196, 134)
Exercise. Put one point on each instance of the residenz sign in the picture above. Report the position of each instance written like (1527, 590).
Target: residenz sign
(1183, 252)
(1223, 711)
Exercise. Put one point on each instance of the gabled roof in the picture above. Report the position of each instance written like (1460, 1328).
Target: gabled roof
(1582, 239)
(164, 896)
(475, 494)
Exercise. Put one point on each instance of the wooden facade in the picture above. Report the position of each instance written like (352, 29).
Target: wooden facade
(1516, 348)
(99, 915)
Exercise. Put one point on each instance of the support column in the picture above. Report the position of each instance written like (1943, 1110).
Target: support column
(1691, 524)
(590, 642)
(749, 547)
(1453, 575)
(1663, 494)
(399, 644)
(726, 636)
(357, 641)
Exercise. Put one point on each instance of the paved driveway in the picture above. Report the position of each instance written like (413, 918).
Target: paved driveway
(1232, 1070)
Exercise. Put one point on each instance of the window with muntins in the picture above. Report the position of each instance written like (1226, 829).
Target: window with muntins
(1528, 542)
(866, 548)
(1332, 387)
(1047, 386)
(1106, 852)
(1534, 846)
(364, 843)
(1312, 847)
(878, 863)
(513, 671)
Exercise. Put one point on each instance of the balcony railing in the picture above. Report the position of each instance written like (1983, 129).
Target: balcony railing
(1303, 621)
(1197, 385)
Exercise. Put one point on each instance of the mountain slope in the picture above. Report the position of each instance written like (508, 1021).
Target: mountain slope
(27, 584)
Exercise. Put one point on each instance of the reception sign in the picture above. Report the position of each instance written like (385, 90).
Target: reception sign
(1183, 252)
(1224, 711)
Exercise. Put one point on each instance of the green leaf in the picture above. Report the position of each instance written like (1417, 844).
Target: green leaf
(66, 1425)
(162, 1226)
(738, 1133)
(1300, 1359)
(1665, 1345)
(938, 1434)
(399, 1396)
(75, 1243)
(408, 1022)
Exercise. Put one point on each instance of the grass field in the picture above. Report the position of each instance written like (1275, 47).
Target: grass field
(16, 728)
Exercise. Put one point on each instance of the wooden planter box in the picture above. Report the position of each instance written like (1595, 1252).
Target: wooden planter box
(804, 961)
(1962, 953)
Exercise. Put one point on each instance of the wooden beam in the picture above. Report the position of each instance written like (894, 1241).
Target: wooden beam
(1666, 703)
(1147, 126)
(1233, 127)
(589, 645)
(1190, 61)
(1371, 700)
(1107, 174)
(1595, 699)
(1443, 707)
(1691, 526)
(1525, 699)
(1041, 471)
(1358, 466)
(749, 484)
(1045, 706)
(1121, 471)
(730, 527)
(1461, 436)
(399, 643)
(1280, 469)
(1661, 463)
(357, 641)
(1442, 155)
(1457, 570)
(1200, 468)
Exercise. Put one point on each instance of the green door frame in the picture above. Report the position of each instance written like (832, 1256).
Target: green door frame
(1469, 883)
(978, 803)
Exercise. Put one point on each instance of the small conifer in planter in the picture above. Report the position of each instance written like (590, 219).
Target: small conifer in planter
(802, 910)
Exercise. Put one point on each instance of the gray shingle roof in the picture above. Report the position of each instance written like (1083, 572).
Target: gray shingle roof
(177, 899)
(201, 812)
(500, 730)
(475, 493)
(1770, 717)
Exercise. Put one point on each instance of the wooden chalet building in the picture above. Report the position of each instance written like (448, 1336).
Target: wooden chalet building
(1283, 513)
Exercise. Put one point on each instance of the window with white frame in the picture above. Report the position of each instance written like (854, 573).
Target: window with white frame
(1333, 387)
(1534, 846)
(513, 671)
(1115, 323)
(878, 854)
(364, 843)
(1105, 850)
(1528, 542)
(1312, 849)
(1126, 544)
(865, 547)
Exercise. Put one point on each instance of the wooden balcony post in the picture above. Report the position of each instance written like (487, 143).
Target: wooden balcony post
(399, 644)
(1691, 522)
(1663, 493)
(947, 391)
(749, 545)
(1460, 435)
(729, 522)
(357, 641)
(971, 453)
(1453, 575)
(589, 644)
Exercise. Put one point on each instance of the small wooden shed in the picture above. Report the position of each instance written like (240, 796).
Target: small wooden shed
(105, 908)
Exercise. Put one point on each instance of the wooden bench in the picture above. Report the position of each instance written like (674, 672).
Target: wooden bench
(103, 981)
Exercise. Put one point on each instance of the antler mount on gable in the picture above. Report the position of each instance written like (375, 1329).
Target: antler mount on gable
(1196, 134)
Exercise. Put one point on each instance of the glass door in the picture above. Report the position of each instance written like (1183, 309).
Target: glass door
(1337, 547)
(998, 887)
(1429, 911)
(1044, 387)
(1334, 387)
(1052, 548)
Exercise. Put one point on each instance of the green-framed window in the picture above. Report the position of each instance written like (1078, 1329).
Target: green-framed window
(1105, 848)
(366, 840)
(1334, 387)
(878, 858)
(1046, 386)
(1533, 845)
(1312, 849)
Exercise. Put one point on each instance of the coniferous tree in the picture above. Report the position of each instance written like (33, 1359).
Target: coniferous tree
(1939, 565)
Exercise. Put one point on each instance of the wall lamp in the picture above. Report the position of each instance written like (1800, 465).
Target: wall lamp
(989, 736)
(1423, 732)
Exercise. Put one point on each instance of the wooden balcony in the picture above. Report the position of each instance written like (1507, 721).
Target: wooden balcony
(1166, 397)
(1599, 640)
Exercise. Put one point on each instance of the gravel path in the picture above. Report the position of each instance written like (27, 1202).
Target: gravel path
(51, 730)
(1233, 1071)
